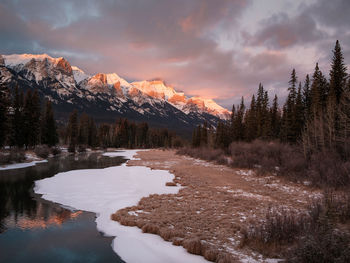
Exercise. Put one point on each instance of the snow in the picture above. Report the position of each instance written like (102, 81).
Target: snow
(22, 59)
(104, 191)
(156, 87)
(20, 165)
(79, 75)
(114, 78)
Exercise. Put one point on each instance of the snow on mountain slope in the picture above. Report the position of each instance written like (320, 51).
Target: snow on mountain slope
(58, 76)
(155, 88)
(22, 59)
(158, 89)
(79, 75)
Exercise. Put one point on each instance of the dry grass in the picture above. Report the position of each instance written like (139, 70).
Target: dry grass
(208, 215)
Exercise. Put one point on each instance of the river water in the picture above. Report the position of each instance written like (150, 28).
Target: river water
(35, 230)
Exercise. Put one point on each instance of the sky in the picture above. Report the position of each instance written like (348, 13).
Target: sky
(218, 49)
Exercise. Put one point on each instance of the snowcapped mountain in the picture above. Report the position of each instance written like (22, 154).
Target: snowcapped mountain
(107, 96)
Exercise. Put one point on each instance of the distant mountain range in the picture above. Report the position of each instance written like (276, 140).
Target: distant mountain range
(107, 96)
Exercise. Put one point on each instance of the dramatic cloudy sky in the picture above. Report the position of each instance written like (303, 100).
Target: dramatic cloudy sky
(218, 49)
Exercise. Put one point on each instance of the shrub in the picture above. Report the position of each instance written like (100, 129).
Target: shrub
(273, 157)
(42, 151)
(208, 154)
(328, 169)
(81, 148)
(280, 227)
(312, 235)
(323, 246)
(55, 150)
(15, 155)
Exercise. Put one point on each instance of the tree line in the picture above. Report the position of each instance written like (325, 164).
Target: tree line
(316, 114)
(82, 132)
(24, 121)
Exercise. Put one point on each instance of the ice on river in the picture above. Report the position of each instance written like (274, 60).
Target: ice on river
(104, 191)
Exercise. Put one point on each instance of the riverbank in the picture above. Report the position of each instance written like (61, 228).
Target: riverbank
(216, 203)
(104, 191)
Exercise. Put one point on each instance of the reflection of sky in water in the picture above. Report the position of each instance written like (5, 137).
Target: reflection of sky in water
(35, 230)
(74, 240)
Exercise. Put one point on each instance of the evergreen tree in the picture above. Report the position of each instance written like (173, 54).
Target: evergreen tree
(275, 119)
(299, 114)
(72, 131)
(337, 74)
(307, 97)
(83, 134)
(92, 133)
(251, 120)
(17, 138)
(4, 113)
(32, 114)
(49, 134)
(239, 124)
(292, 86)
(204, 134)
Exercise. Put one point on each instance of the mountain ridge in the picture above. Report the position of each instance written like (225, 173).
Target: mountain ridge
(107, 95)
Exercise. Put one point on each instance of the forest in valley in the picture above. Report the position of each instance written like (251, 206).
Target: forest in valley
(307, 137)
(26, 122)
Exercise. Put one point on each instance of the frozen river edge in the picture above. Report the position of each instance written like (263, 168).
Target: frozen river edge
(104, 191)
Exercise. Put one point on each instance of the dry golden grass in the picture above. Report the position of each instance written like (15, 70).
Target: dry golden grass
(207, 216)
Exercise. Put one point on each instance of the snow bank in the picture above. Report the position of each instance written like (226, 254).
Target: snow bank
(104, 191)
(20, 165)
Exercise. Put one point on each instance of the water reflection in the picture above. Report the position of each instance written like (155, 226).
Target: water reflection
(26, 218)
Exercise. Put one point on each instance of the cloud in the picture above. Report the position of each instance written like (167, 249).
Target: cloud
(281, 31)
(179, 41)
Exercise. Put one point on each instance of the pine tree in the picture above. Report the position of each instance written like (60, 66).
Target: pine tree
(49, 134)
(292, 86)
(83, 134)
(31, 113)
(289, 118)
(92, 137)
(299, 114)
(251, 120)
(72, 131)
(4, 113)
(204, 135)
(239, 124)
(275, 119)
(307, 97)
(337, 74)
(17, 120)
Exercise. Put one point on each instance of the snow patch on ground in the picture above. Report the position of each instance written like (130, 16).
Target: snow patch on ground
(20, 165)
(104, 191)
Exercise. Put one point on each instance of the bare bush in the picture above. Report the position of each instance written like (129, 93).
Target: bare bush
(328, 169)
(280, 227)
(55, 150)
(314, 236)
(208, 154)
(15, 155)
(42, 151)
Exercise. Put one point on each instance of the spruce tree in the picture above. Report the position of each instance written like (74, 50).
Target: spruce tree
(72, 131)
(83, 135)
(251, 120)
(337, 74)
(4, 113)
(275, 119)
(307, 97)
(17, 120)
(239, 124)
(49, 134)
(299, 114)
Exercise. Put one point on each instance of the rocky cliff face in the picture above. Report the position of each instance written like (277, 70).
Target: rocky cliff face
(107, 96)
